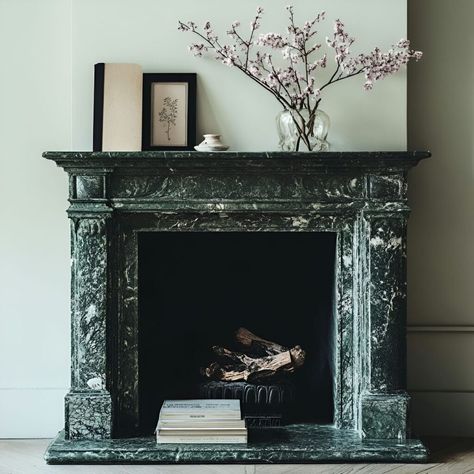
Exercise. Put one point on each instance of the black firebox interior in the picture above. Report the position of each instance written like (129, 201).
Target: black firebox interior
(197, 288)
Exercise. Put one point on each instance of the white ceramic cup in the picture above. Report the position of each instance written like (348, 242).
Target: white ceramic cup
(212, 139)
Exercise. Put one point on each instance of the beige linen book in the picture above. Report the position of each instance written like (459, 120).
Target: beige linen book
(223, 410)
(201, 439)
(201, 421)
(117, 107)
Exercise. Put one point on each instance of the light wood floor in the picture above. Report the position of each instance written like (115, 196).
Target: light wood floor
(449, 455)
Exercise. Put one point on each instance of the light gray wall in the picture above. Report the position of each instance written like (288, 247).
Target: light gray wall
(35, 115)
(441, 230)
(48, 49)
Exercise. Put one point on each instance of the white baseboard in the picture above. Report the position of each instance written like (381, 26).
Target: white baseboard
(443, 413)
(31, 412)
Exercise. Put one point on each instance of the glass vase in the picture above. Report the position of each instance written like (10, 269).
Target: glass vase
(291, 138)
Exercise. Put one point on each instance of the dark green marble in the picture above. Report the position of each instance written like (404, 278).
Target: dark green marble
(88, 415)
(362, 197)
(292, 444)
(385, 416)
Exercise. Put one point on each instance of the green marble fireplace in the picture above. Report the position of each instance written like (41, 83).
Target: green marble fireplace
(116, 199)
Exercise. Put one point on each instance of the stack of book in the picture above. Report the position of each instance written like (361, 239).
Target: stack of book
(201, 421)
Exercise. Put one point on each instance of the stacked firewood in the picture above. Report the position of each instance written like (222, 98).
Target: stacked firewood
(258, 359)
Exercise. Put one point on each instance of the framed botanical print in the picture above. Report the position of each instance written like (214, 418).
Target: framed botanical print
(169, 112)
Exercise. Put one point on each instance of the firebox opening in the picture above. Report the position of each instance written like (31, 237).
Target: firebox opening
(197, 288)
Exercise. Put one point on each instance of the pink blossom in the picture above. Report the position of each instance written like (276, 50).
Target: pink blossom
(322, 63)
(273, 40)
(255, 70)
(198, 49)
(403, 43)
(228, 61)
(340, 42)
(292, 55)
(254, 25)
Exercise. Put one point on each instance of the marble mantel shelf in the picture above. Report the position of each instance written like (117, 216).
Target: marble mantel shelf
(273, 160)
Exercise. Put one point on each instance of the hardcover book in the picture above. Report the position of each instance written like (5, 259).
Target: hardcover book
(117, 107)
(201, 421)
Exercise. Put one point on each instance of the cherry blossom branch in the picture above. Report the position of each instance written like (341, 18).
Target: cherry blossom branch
(254, 26)
(293, 86)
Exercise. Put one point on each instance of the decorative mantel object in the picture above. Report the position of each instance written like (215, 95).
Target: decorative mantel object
(169, 111)
(289, 135)
(117, 107)
(294, 76)
(264, 405)
(359, 198)
(258, 359)
(258, 374)
(211, 142)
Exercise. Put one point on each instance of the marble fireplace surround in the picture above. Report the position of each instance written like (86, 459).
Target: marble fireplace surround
(360, 196)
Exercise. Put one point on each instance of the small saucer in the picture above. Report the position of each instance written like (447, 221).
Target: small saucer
(211, 148)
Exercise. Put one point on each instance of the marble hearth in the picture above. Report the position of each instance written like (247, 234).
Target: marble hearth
(360, 198)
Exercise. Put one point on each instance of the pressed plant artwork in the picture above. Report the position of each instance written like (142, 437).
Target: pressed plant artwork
(304, 66)
(169, 114)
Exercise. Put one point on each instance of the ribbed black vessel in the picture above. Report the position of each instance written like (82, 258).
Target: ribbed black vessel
(263, 405)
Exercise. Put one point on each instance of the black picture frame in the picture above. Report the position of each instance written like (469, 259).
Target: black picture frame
(149, 79)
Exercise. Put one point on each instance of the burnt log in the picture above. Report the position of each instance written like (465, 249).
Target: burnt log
(249, 368)
(255, 344)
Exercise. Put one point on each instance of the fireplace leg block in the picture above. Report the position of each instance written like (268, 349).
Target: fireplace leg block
(301, 443)
(88, 415)
(385, 416)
